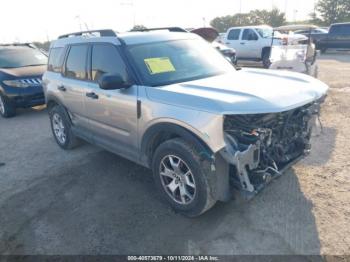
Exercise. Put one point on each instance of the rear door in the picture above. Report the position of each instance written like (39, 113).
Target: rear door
(112, 113)
(74, 83)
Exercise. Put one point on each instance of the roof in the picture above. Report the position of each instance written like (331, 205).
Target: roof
(129, 38)
(295, 27)
(346, 23)
(251, 26)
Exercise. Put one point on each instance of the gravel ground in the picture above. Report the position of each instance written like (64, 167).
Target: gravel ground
(89, 201)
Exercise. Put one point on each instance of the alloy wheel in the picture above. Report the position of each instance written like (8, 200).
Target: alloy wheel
(177, 179)
(58, 128)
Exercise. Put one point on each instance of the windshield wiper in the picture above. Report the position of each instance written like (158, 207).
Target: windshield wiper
(32, 65)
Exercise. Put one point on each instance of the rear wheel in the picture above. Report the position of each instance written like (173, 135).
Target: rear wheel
(61, 128)
(7, 109)
(181, 177)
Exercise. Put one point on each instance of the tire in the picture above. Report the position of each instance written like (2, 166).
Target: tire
(185, 156)
(61, 128)
(266, 58)
(7, 109)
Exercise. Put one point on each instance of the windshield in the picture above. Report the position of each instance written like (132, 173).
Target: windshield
(177, 61)
(21, 57)
(266, 32)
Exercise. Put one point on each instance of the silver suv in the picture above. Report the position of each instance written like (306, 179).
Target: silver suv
(172, 103)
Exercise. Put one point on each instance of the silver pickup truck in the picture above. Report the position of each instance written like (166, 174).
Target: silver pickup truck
(172, 103)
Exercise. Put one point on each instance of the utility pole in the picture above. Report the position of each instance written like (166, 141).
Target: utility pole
(295, 15)
(131, 4)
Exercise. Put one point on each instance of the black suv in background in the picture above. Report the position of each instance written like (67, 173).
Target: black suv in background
(21, 69)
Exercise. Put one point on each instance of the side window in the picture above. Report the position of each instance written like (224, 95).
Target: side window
(249, 34)
(76, 62)
(345, 29)
(335, 29)
(234, 34)
(55, 60)
(106, 60)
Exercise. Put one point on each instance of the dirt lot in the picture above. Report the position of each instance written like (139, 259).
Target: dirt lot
(88, 201)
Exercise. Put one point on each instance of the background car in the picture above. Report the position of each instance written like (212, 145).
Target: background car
(212, 36)
(21, 69)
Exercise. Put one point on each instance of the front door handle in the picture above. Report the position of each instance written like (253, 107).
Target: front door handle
(62, 88)
(92, 95)
(242, 43)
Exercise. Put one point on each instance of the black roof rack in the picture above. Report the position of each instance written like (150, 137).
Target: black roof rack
(104, 32)
(170, 29)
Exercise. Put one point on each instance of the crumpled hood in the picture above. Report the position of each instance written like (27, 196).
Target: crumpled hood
(248, 91)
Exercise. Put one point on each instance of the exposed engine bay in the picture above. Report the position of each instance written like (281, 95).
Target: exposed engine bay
(261, 146)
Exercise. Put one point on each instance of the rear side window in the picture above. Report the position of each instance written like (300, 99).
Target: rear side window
(55, 60)
(341, 29)
(234, 34)
(76, 62)
(106, 60)
(249, 34)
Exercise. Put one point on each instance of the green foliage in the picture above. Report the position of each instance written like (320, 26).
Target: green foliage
(334, 11)
(256, 17)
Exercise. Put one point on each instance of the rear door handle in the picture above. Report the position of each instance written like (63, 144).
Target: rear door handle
(242, 43)
(92, 95)
(62, 88)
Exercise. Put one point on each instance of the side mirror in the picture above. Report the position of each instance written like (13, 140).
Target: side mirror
(111, 82)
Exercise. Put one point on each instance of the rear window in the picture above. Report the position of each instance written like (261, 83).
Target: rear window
(55, 60)
(21, 57)
(234, 34)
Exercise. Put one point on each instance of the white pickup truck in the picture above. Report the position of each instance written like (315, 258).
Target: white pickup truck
(253, 42)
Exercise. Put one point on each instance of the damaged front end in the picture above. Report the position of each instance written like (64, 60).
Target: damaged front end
(259, 147)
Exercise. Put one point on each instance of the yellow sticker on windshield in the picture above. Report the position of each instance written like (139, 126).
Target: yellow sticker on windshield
(159, 65)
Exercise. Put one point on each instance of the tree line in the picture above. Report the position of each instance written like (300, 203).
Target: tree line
(326, 12)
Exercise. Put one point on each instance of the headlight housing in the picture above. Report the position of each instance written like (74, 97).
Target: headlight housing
(23, 83)
(16, 83)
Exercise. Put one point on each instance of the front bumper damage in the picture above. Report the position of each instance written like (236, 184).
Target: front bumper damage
(249, 160)
(261, 148)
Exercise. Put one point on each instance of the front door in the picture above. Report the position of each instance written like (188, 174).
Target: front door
(73, 84)
(112, 113)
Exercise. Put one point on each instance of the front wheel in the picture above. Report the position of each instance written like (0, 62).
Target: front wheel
(7, 109)
(182, 178)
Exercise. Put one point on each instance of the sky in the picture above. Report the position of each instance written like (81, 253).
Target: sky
(40, 20)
